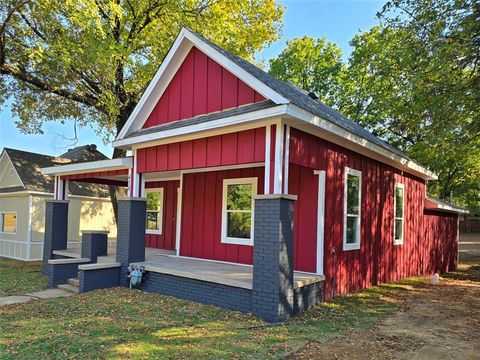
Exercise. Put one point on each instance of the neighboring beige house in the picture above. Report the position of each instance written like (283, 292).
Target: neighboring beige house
(23, 191)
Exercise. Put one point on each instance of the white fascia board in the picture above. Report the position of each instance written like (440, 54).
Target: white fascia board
(343, 137)
(172, 62)
(91, 166)
(264, 114)
(431, 204)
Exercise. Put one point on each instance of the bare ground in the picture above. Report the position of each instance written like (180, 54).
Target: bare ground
(433, 322)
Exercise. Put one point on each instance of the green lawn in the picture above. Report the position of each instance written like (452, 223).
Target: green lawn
(122, 324)
(19, 277)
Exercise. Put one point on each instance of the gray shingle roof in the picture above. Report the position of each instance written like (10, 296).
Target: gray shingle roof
(203, 118)
(301, 98)
(28, 166)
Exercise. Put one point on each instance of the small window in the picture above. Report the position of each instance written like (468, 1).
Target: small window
(154, 211)
(398, 207)
(8, 222)
(238, 210)
(352, 209)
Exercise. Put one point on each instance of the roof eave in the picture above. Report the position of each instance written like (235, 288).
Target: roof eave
(433, 204)
(358, 144)
(89, 166)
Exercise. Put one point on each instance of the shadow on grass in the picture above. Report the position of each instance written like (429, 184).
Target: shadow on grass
(467, 272)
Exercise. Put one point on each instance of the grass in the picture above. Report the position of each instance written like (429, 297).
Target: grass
(129, 324)
(19, 277)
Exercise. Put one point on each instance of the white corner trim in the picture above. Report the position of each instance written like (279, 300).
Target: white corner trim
(90, 166)
(29, 227)
(278, 166)
(286, 160)
(179, 216)
(320, 220)
(357, 173)
(238, 241)
(362, 145)
(267, 159)
(174, 59)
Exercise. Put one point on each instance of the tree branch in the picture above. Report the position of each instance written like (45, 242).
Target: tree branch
(22, 75)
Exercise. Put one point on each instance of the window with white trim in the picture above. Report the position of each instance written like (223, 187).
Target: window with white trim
(154, 211)
(352, 209)
(399, 214)
(238, 210)
(8, 222)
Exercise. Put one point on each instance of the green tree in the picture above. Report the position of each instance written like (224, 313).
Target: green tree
(314, 65)
(90, 60)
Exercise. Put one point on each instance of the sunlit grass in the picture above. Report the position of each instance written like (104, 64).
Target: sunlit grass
(19, 277)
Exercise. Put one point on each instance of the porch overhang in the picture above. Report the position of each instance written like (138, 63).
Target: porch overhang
(108, 172)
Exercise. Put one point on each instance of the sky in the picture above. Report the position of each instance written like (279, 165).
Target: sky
(338, 20)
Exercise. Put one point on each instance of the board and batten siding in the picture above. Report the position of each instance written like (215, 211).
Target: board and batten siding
(240, 147)
(200, 86)
(427, 247)
(165, 240)
(202, 215)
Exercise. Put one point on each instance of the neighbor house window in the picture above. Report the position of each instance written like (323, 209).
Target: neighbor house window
(398, 208)
(154, 211)
(8, 222)
(238, 210)
(352, 209)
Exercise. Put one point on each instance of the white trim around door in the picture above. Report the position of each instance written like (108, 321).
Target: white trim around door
(320, 220)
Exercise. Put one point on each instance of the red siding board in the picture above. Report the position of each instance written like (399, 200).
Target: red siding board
(378, 260)
(200, 86)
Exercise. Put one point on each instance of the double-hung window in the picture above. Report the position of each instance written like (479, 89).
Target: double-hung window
(238, 210)
(154, 211)
(399, 214)
(8, 222)
(352, 209)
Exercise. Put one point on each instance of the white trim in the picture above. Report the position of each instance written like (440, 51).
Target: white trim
(320, 220)
(234, 120)
(400, 186)
(136, 177)
(90, 166)
(278, 172)
(267, 159)
(357, 173)
(29, 227)
(179, 215)
(338, 135)
(159, 211)
(174, 59)
(1, 223)
(39, 193)
(66, 189)
(286, 160)
(238, 181)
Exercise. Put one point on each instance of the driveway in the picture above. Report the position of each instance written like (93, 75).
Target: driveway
(433, 322)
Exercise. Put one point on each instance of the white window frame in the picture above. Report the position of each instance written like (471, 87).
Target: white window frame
(160, 211)
(1, 222)
(237, 181)
(357, 173)
(398, 241)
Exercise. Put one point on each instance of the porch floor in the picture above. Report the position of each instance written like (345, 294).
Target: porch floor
(150, 253)
(235, 275)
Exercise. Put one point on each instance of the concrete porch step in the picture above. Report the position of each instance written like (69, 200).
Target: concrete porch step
(69, 288)
(74, 282)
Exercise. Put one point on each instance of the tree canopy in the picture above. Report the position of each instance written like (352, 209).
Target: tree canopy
(90, 60)
(414, 81)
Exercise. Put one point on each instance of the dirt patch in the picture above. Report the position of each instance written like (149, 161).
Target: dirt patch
(433, 322)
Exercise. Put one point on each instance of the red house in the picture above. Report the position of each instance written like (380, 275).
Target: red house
(260, 197)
